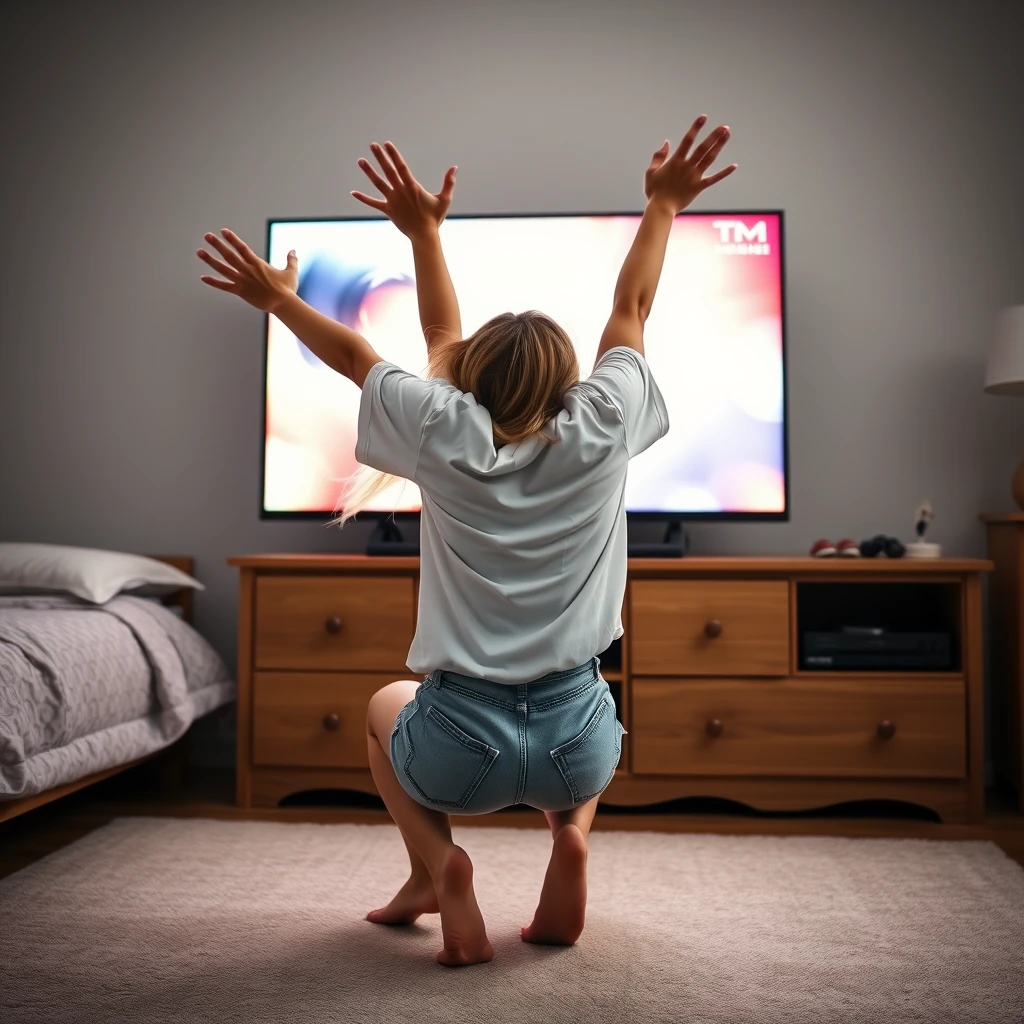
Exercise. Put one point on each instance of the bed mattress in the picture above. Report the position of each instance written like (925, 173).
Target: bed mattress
(87, 687)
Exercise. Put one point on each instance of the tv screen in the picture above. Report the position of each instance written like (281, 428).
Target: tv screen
(714, 342)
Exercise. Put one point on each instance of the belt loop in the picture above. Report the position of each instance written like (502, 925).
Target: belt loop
(597, 667)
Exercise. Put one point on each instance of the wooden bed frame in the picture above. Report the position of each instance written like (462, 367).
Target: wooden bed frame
(174, 755)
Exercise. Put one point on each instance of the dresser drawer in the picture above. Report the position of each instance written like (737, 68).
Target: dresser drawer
(343, 622)
(312, 719)
(878, 727)
(710, 627)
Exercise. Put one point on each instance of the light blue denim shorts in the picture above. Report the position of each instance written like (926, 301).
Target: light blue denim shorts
(470, 746)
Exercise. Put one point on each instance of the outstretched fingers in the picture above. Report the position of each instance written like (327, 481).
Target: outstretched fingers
(385, 162)
(215, 282)
(684, 147)
(448, 186)
(371, 172)
(660, 156)
(247, 254)
(231, 255)
(377, 204)
(404, 174)
(704, 155)
(222, 268)
(715, 178)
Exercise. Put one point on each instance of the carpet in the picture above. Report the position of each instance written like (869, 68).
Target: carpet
(161, 919)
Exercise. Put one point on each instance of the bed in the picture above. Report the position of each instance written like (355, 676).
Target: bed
(90, 690)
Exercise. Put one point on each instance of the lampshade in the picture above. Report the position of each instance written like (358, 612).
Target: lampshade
(1005, 372)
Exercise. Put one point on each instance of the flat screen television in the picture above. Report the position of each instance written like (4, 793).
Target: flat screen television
(715, 342)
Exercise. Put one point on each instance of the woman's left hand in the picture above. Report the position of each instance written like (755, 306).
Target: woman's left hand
(248, 276)
(411, 208)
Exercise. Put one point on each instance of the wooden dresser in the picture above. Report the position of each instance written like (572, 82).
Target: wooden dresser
(708, 679)
(1006, 628)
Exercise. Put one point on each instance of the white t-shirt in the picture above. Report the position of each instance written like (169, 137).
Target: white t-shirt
(523, 547)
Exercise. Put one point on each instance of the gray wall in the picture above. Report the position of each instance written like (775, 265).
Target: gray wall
(130, 394)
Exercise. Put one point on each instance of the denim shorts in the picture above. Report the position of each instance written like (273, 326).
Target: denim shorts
(470, 746)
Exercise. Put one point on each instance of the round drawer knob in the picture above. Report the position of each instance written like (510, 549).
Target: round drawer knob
(886, 730)
(712, 628)
(331, 721)
(714, 727)
(333, 624)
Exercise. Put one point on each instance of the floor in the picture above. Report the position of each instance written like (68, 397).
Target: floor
(209, 793)
(237, 922)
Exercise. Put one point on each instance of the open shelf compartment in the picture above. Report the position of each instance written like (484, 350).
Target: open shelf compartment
(925, 608)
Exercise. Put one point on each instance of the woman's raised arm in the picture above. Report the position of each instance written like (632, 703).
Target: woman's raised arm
(272, 290)
(418, 214)
(671, 184)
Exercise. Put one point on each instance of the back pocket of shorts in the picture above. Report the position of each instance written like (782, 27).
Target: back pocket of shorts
(588, 762)
(445, 763)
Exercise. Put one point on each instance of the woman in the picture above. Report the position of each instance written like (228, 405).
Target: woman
(522, 471)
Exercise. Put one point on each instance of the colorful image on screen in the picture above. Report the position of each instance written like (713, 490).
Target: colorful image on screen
(714, 342)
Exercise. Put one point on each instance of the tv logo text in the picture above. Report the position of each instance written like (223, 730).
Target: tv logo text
(736, 239)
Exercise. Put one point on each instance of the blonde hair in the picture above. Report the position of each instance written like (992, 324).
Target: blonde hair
(518, 366)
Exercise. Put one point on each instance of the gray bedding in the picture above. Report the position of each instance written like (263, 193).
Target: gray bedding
(86, 687)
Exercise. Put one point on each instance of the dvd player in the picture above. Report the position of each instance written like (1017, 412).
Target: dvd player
(871, 648)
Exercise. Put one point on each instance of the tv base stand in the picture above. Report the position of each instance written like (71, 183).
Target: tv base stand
(387, 539)
(674, 545)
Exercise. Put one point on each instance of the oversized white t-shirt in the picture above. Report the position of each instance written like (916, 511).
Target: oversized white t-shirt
(523, 547)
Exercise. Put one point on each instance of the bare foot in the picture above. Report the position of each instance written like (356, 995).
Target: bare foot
(462, 924)
(414, 898)
(558, 920)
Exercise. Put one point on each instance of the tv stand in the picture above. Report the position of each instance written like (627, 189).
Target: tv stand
(708, 679)
(674, 545)
(386, 539)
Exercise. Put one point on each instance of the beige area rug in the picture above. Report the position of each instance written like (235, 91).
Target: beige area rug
(157, 919)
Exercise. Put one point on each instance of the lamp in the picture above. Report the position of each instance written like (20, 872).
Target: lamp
(1005, 372)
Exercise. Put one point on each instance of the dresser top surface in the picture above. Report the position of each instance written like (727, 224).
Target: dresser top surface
(691, 565)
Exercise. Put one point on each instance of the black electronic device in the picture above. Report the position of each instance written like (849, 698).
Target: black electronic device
(871, 649)
(387, 539)
(675, 544)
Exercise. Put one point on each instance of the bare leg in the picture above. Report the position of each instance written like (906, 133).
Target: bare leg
(416, 897)
(561, 912)
(428, 834)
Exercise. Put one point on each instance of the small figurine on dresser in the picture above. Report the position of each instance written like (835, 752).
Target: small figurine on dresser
(922, 548)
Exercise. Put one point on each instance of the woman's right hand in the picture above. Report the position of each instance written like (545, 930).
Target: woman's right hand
(411, 208)
(678, 179)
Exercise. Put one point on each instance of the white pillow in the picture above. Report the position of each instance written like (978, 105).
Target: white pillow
(89, 573)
